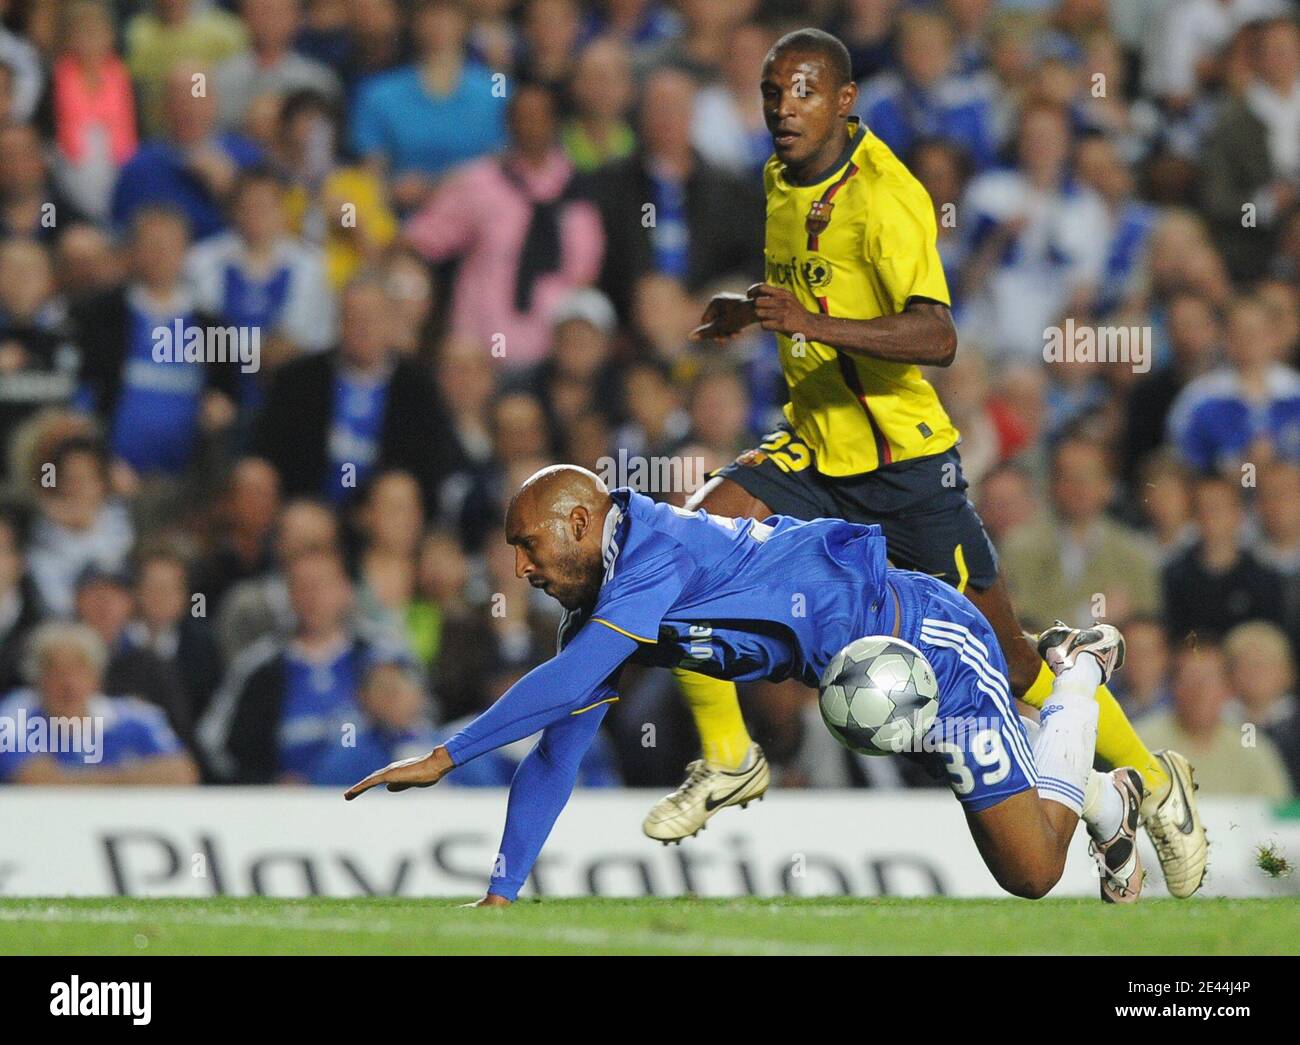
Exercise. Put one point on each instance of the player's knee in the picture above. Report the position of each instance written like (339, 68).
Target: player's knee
(1031, 880)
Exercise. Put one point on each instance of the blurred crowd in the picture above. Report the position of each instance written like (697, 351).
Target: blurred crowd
(447, 242)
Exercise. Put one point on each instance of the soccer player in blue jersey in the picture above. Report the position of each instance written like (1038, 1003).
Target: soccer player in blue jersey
(744, 600)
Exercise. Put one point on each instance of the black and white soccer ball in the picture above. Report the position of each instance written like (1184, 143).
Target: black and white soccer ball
(879, 696)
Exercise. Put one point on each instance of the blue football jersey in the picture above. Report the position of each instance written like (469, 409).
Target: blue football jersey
(737, 598)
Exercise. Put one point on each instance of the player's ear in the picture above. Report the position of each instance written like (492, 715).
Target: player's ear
(848, 98)
(579, 521)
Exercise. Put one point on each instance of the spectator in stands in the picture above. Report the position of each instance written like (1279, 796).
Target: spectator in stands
(1198, 726)
(419, 121)
(285, 702)
(38, 363)
(394, 723)
(1262, 669)
(1165, 490)
(1193, 331)
(1034, 252)
(411, 293)
(155, 407)
(246, 510)
(1144, 686)
(700, 48)
(105, 602)
(717, 405)
(78, 523)
(342, 208)
(174, 626)
(601, 93)
(450, 635)
(464, 373)
(258, 606)
(389, 523)
(1218, 582)
(579, 376)
(334, 419)
(727, 125)
(1008, 501)
(270, 65)
(1246, 412)
(122, 740)
(258, 277)
(706, 224)
(1278, 506)
(524, 238)
(548, 38)
(944, 169)
(24, 78)
(929, 96)
(1253, 157)
(1059, 567)
(31, 205)
(1130, 221)
(192, 165)
(176, 31)
(86, 262)
(357, 42)
(94, 109)
(656, 419)
(20, 607)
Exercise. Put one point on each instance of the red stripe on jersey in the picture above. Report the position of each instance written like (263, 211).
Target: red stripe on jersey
(884, 455)
(829, 195)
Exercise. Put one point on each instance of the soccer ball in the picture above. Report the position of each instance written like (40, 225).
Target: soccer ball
(879, 696)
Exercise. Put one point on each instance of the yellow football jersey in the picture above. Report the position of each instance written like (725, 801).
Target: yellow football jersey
(858, 243)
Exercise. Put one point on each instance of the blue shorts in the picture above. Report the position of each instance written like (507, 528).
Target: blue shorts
(977, 738)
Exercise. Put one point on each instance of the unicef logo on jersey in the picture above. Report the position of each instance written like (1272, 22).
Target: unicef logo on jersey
(816, 271)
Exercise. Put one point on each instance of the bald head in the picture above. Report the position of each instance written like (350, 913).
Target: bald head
(556, 524)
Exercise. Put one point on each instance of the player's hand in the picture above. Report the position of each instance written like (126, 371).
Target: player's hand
(424, 771)
(490, 900)
(725, 317)
(778, 309)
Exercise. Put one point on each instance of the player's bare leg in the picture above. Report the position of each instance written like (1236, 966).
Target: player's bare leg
(734, 770)
(1169, 811)
(1025, 839)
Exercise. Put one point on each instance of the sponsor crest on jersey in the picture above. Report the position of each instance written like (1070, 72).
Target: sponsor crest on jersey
(750, 458)
(816, 271)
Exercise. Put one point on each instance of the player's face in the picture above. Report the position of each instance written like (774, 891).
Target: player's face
(550, 556)
(803, 107)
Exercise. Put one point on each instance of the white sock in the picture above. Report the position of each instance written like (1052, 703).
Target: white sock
(1103, 807)
(1067, 735)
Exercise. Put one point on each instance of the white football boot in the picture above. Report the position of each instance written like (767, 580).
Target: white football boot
(1175, 829)
(1118, 864)
(1060, 645)
(1173, 821)
(706, 789)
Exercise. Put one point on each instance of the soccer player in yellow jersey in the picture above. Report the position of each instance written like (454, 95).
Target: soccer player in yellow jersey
(856, 295)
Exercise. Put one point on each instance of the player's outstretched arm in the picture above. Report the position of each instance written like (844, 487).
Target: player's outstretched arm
(423, 771)
(565, 685)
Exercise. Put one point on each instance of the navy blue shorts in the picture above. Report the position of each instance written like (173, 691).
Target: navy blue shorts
(929, 524)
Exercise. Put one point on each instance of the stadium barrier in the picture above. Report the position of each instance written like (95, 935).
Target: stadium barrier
(298, 842)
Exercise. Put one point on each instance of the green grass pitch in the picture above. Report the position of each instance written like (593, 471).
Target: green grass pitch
(655, 926)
